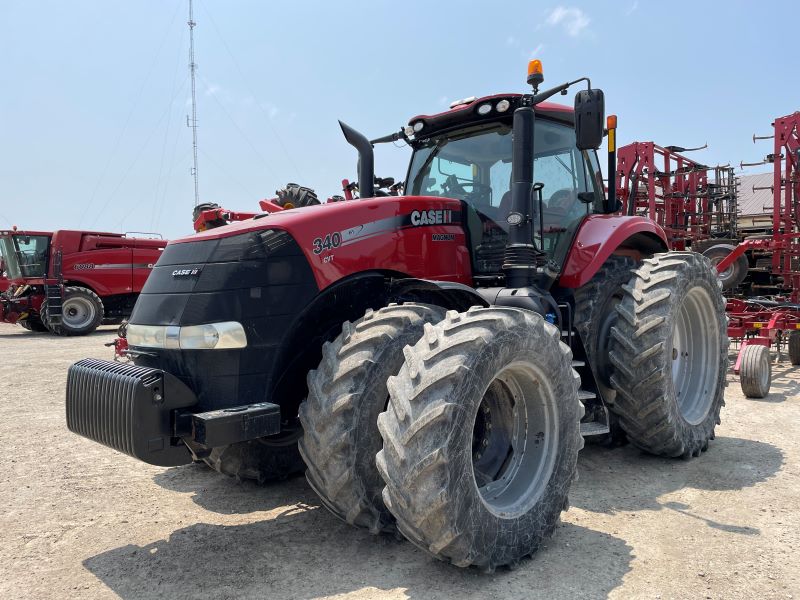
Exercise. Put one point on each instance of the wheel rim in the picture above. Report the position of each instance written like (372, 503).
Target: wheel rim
(727, 273)
(514, 440)
(695, 355)
(78, 312)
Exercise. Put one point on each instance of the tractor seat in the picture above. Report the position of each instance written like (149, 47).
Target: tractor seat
(554, 210)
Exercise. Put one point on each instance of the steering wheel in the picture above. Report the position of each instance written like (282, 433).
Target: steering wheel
(480, 194)
(562, 200)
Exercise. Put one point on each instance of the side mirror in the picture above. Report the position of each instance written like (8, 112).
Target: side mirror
(589, 119)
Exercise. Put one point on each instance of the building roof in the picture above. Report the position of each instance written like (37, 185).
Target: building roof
(755, 202)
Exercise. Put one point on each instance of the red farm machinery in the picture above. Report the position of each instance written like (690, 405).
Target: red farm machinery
(759, 269)
(69, 282)
(768, 313)
(432, 360)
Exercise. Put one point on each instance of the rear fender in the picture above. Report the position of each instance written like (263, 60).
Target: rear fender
(600, 236)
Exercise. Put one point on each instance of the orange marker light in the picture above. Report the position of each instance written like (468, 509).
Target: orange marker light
(611, 122)
(535, 73)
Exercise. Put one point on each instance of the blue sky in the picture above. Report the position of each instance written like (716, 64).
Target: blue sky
(93, 109)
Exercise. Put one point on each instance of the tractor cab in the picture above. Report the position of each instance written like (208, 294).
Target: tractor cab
(466, 154)
(24, 255)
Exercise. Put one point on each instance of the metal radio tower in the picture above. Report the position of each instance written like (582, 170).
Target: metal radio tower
(193, 121)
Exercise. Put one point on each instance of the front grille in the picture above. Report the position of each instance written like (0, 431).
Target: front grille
(128, 408)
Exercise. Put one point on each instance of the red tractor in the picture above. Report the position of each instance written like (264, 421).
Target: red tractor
(433, 360)
(68, 282)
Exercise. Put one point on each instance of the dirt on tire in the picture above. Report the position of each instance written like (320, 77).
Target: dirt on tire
(646, 355)
(428, 438)
(347, 392)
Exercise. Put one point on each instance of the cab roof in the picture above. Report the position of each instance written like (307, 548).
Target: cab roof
(466, 111)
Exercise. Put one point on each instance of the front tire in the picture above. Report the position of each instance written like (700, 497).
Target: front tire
(481, 437)
(346, 393)
(669, 349)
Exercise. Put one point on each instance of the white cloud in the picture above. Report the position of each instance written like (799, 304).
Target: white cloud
(271, 109)
(212, 89)
(536, 51)
(633, 7)
(573, 20)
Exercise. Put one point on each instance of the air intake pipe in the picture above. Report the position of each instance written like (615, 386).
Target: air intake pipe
(366, 160)
(521, 254)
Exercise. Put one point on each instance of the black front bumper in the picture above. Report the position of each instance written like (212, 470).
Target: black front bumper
(146, 413)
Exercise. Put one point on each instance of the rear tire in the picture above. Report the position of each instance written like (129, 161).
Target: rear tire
(296, 196)
(794, 347)
(346, 393)
(81, 312)
(669, 349)
(486, 398)
(755, 372)
(595, 314)
(734, 274)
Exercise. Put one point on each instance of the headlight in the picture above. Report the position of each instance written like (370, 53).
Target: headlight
(484, 109)
(211, 336)
(503, 106)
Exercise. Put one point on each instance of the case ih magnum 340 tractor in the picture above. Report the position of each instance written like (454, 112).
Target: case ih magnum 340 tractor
(68, 282)
(438, 357)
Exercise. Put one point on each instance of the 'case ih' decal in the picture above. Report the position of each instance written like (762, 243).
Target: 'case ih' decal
(431, 217)
(193, 272)
(357, 233)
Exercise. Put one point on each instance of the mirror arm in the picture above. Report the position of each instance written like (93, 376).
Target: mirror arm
(542, 96)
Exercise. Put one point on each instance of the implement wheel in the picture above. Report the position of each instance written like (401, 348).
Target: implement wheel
(794, 347)
(736, 272)
(296, 196)
(669, 349)
(755, 371)
(345, 396)
(481, 437)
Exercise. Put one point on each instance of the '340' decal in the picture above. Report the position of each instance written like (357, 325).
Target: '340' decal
(329, 242)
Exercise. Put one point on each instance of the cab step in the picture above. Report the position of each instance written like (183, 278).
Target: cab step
(594, 428)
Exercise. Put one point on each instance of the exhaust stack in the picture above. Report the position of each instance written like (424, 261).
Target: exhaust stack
(366, 160)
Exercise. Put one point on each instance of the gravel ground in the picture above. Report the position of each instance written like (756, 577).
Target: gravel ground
(82, 521)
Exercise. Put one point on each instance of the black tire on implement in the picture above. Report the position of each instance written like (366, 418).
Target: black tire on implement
(296, 196)
(81, 312)
(481, 437)
(669, 349)
(755, 371)
(346, 393)
(734, 274)
(261, 460)
(794, 347)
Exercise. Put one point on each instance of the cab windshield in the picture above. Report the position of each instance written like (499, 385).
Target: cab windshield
(25, 255)
(474, 165)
